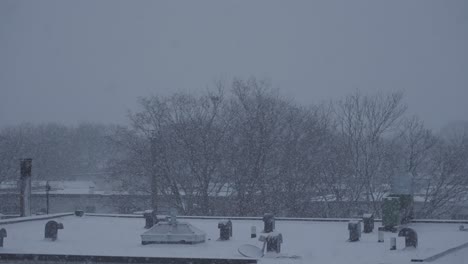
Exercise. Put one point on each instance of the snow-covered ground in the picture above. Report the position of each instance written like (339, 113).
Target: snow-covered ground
(314, 242)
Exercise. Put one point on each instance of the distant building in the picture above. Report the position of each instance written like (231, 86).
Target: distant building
(66, 196)
(90, 196)
(103, 197)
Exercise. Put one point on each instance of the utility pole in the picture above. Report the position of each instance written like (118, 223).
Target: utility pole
(25, 187)
(47, 197)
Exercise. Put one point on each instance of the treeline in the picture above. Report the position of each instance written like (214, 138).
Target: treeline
(267, 153)
(246, 143)
(59, 152)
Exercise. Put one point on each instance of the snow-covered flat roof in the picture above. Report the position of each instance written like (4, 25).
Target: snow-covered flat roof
(314, 242)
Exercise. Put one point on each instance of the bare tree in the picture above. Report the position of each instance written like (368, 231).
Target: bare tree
(200, 128)
(416, 143)
(446, 184)
(366, 122)
(152, 149)
(179, 140)
(298, 160)
(256, 114)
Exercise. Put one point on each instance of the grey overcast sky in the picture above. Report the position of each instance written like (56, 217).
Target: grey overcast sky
(74, 61)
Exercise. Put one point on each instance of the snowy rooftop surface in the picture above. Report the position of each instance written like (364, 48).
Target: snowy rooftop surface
(313, 242)
(457, 257)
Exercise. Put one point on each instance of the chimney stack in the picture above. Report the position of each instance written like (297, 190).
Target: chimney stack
(25, 187)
